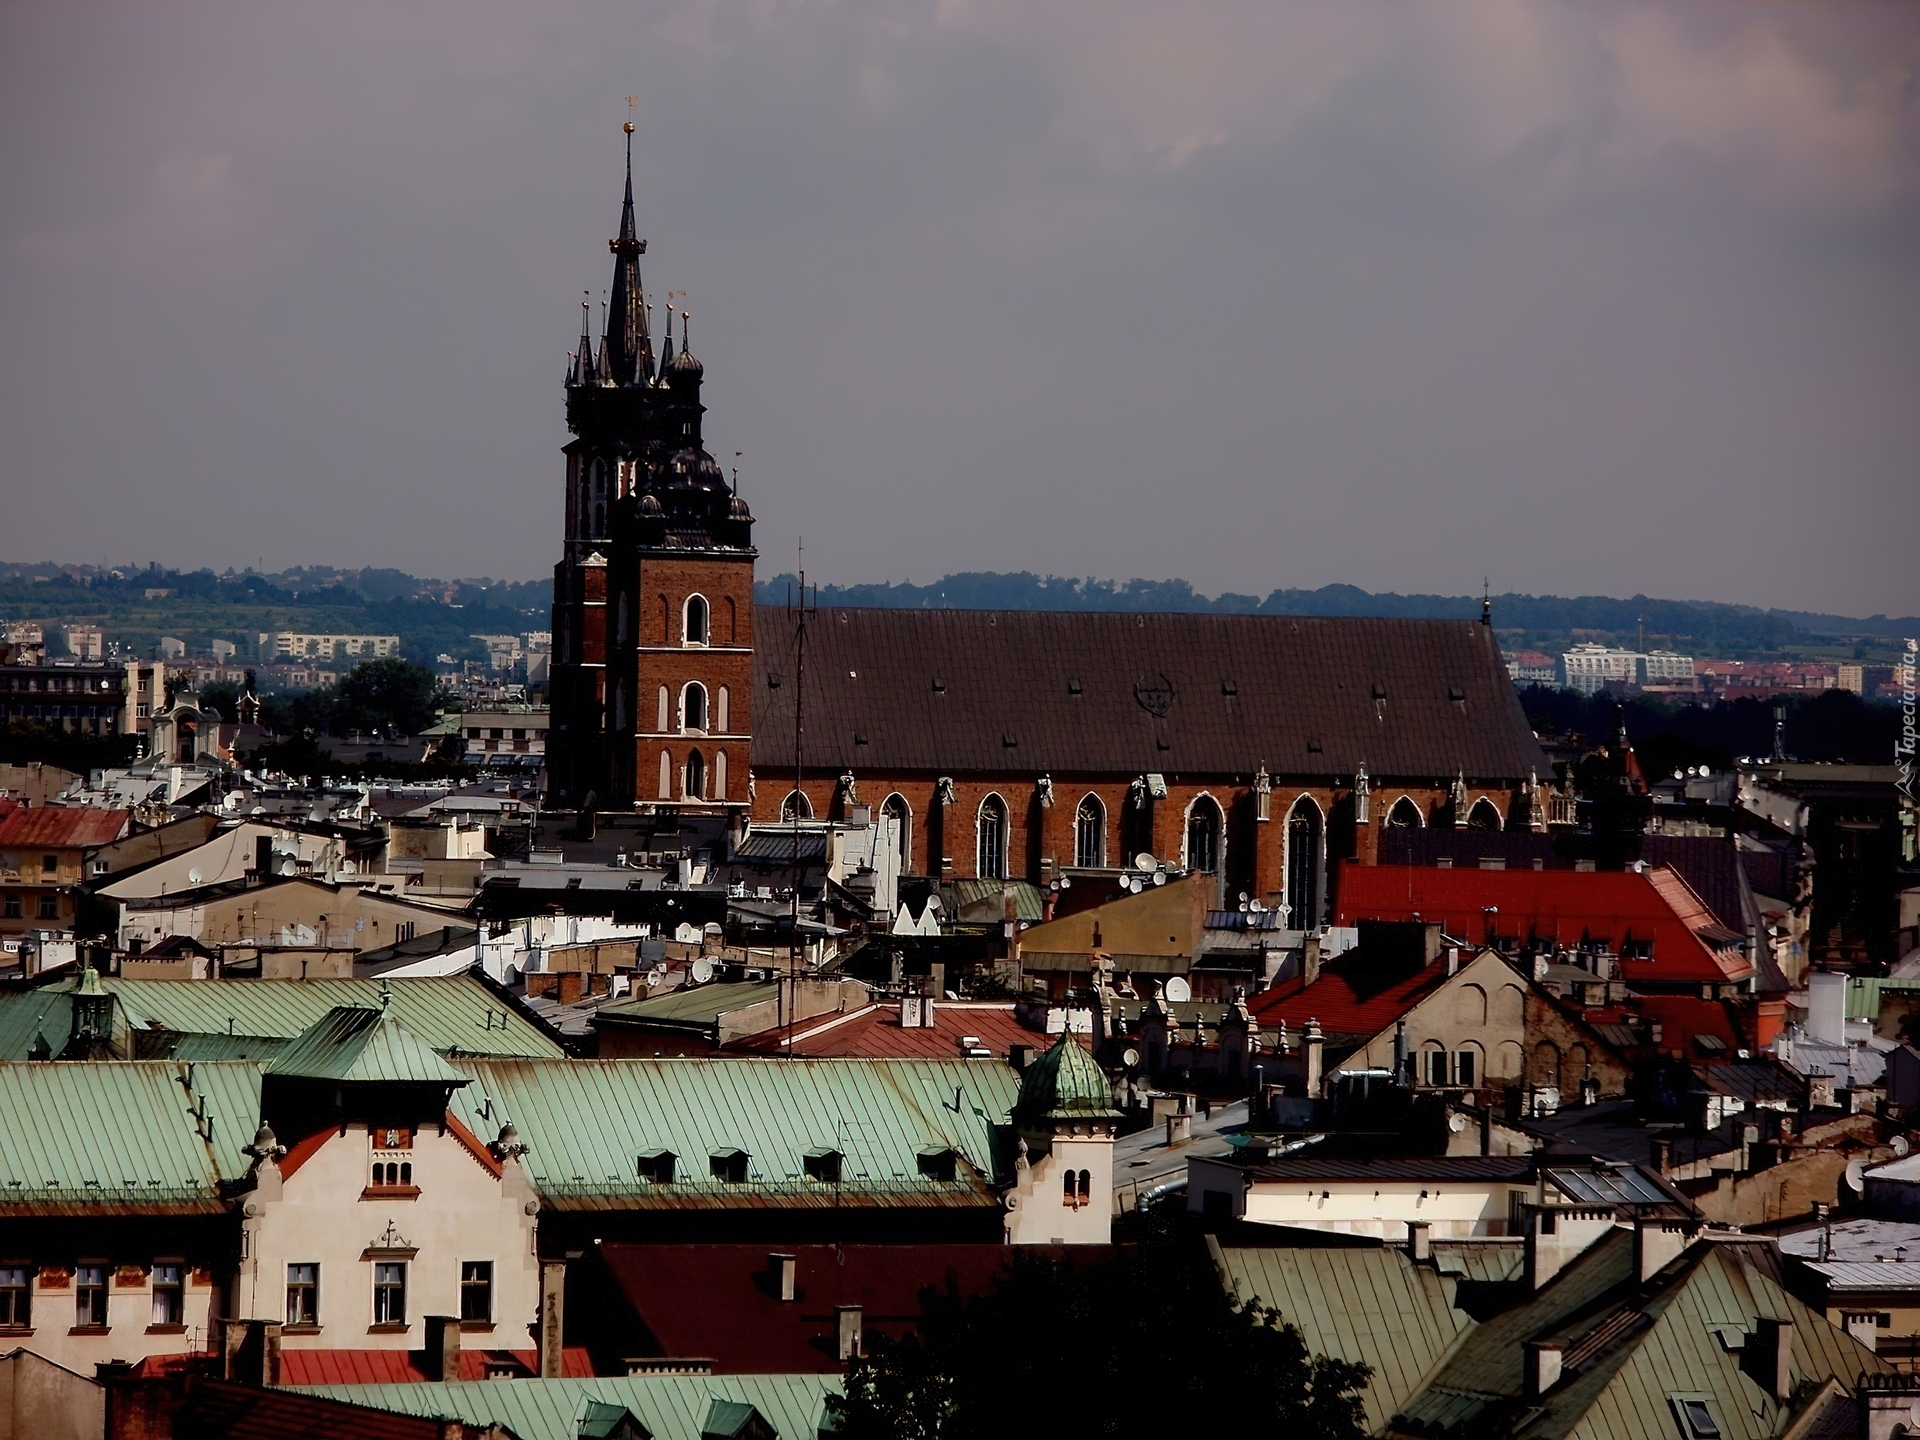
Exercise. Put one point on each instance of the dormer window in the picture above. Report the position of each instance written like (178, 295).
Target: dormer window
(728, 1166)
(655, 1166)
(825, 1165)
(937, 1163)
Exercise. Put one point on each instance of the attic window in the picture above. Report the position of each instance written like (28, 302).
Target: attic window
(655, 1166)
(1379, 691)
(1073, 687)
(1229, 687)
(1008, 739)
(728, 1166)
(1695, 1414)
(939, 686)
(937, 1163)
(1455, 693)
(1313, 747)
(824, 1164)
(773, 681)
(859, 737)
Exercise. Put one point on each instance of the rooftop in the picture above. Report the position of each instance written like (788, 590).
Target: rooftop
(61, 827)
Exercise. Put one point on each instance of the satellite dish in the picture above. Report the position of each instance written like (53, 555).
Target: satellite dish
(1066, 882)
(1130, 1057)
(1132, 883)
(194, 877)
(1143, 861)
(1456, 1122)
(1856, 1175)
(1243, 899)
(1159, 877)
(1899, 1145)
(1178, 989)
(702, 971)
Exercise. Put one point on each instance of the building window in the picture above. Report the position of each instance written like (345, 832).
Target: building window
(303, 1294)
(1696, 1417)
(49, 864)
(90, 1297)
(990, 829)
(11, 907)
(656, 1166)
(476, 1291)
(728, 1166)
(169, 1296)
(388, 1174)
(695, 629)
(16, 1297)
(390, 1292)
(1405, 815)
(796, 806)
(693, 706)
(696, 782)
(49, 907)
(1436, 1067)
(895, 808)
(1466, 1070)
(1303, 865)
(1203, 836)
(1090, 834)
(1483, 815)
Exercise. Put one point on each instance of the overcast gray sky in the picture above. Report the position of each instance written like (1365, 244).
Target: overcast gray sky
(1603, 297)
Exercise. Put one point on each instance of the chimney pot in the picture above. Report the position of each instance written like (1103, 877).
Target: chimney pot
(785, 1274)
(1771, 1362)
(1540, 1365)
(1419, 1240)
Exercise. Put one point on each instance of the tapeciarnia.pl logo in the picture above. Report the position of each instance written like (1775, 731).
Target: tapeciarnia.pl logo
(1903, 747)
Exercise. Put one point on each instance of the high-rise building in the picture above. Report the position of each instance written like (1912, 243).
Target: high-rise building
(652, 669)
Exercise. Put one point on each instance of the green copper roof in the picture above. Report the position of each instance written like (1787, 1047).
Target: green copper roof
(671, 1407)
(587, 1122)
(1066, 1081)
(727, 1419)
(353, 1044)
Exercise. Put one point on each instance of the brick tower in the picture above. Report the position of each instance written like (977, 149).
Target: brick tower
(652, 669)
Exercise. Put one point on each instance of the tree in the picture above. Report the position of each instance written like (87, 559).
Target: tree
(1142, 1343)
(385, 694)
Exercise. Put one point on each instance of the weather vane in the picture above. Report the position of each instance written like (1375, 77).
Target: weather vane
(632, 100)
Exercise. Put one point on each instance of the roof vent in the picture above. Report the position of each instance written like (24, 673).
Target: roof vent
(859, 737)
(1379, 691)
(1313, 746)
(773, 681)
(939, 685)
(1073, 687)
(1229, 687)
(1008, 739)
(1454, 692)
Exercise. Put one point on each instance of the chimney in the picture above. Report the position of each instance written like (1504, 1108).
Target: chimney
(1660, 1153)
(1179, 1129)
(1316, 1046)
(251, 1351)
(553, 1290)
(1770, 1357)
(1823, 1217)
(850, 1346)
(1309, 960)
(1419, 1241)
(784, 1269)
(1540, 1362)
(1655, 1243)
(1547, 1250)
(1453, 960)
(1887, 1405)
(443, 1348)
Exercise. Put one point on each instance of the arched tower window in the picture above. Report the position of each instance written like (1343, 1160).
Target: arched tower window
(990, 839)
(696, 780)
(666, 776)
(796, 807)
(1304, 834)
(1484, 815)
(719, 774)
(1204, 826)
(694, 630)
(896, 809)
(1090, 834)
(720, 710)
(1405, 815)
(693, 706)
(666, 704)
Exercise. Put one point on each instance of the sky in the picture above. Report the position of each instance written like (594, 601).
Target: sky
(1602, 298)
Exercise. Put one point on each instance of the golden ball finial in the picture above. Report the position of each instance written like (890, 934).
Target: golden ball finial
(628, 127)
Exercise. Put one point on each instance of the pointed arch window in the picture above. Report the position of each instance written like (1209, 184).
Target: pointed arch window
(720, 716)
(695, 786)
(694, 629)
(1484, 815)
(1204, 825)
(693, 706)
(796, 807)
(719, 774)
(896, 809)
(1304, 860)
(990, 839)
(1405, 815)
(666, 776)
(666, 704)
(1090, 834)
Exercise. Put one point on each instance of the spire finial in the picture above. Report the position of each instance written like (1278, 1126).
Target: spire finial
(1486, 600)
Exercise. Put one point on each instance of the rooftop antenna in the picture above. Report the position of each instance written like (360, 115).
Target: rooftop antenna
(736, 471)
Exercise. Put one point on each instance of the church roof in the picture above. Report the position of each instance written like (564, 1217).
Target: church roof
(1094, 692)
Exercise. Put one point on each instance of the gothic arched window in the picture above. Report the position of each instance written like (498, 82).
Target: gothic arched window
(719, 774)
(1304, 834)
(694, 632)
(1203, 836)
(796, 807)
(696, 781)
(1405, 815)
(693, 706)
(896, 809)
(1090, 834)
(990, 839)
(1484, 815)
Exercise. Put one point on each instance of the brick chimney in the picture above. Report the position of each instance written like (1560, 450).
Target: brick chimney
(442, 1357)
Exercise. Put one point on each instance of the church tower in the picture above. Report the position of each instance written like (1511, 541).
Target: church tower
(651, 680)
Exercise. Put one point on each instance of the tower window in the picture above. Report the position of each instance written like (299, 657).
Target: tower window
(1090, 834)
(991, 838)
(693, 706)
(696, 629)
(696, 776)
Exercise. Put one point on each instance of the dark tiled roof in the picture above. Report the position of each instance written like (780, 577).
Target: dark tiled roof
(1169, 693)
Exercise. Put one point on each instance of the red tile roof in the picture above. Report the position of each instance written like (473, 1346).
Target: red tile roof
(719, 1302)
(397, 1367)
(1568, 906)
(55, 827)
(1342, 1001)
(876, 1032)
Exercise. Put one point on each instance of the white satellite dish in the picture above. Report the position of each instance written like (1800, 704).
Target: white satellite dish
(1132, 884)
(1177, 989)
(702, 971)
(194, 877)
(1899, 1145)
(1143, 861)
(656, 976)
(1130, 1057)
(1856, 1175)
(1159, 877)
(1456, 1122)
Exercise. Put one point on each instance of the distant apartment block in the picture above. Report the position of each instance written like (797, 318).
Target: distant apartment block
(1531, 667)
(1590, 668)
(86, 642)
(282, 645)
(1757, 679)
(509, 735)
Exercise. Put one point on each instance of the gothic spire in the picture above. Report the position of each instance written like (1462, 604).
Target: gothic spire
(583, 361)
(627, 346)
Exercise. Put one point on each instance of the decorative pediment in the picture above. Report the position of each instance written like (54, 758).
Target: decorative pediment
(390, 1244)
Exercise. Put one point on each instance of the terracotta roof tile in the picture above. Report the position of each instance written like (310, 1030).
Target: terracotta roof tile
(56, 827)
